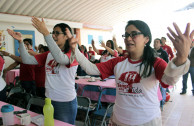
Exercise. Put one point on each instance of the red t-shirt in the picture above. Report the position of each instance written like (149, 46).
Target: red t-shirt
(27, 72)
(91, 53)
(40, 75)
(1, 63)
(169, 51)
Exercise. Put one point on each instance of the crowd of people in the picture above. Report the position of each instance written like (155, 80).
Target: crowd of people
(139, 69)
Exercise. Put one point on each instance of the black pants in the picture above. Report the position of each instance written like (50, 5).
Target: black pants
(29, 86)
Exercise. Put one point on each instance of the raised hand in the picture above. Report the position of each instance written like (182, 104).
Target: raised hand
(15, 35)
(72, 41)
(181, 42)
(40, 26)
(103, 44)
(93, 42)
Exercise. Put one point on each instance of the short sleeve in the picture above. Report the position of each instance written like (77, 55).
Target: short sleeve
(107, 68)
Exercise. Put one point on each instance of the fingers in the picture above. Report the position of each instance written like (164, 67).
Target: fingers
(180, 35)
(68, 33)
(192, 35)
(187, 29)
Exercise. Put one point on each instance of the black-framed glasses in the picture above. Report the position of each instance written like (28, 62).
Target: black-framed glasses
(133, 34)
(56, 33)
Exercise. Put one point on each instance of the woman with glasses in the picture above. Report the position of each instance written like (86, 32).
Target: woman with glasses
(109, 51)
(60, 69)
(138, 75)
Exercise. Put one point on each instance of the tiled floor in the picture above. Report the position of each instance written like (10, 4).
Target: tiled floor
(179, 111)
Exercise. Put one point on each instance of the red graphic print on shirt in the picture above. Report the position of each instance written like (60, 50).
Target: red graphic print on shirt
(129, 78)
(52, 67)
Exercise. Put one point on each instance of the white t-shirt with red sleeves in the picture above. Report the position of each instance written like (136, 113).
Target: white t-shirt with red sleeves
(60, 79)
(136, 97)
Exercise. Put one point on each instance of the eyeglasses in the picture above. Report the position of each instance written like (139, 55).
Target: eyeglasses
(56, 33)
(133, 34)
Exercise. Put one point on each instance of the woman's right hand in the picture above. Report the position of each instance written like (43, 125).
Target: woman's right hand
(15, 35)
(40, 26)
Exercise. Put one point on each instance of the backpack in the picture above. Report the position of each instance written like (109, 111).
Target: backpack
(19, 99)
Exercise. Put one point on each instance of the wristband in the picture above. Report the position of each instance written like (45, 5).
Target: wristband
(9, 54)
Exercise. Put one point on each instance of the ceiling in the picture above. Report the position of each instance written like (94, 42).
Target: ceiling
(95, 12)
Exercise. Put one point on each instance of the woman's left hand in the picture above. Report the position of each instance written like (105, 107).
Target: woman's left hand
(182, 42)
(72, 41)
(103, 44)
(40, 26)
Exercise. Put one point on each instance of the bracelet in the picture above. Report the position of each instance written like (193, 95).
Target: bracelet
(9, 54)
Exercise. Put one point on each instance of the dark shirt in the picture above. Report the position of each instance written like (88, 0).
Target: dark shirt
(163, 54)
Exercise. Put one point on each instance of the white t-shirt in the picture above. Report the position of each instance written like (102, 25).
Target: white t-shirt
(2, 82)
(60, 79)
(136, 98)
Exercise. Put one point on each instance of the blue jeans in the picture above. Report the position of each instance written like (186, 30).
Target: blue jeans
(185, 77)
(65, 111)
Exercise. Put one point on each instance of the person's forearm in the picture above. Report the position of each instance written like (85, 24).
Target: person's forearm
(110, 50)
(16, 58)
(95, 49)
(10, 67)
(173, 73)
(26, 58)
(56, 52)
(85, 64)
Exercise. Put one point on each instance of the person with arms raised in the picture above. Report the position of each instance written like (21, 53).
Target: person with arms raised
(138, 75)
(60, 69)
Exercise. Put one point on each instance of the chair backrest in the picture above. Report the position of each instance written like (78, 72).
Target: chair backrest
(109, 91)
(15, 90)
(84, 104)
(38, 101)
(93, 88)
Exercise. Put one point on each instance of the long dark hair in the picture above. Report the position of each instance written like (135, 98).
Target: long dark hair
(63, 26)
(149, 54)
(112, 47)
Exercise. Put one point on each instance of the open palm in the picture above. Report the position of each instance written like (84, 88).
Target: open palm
(15, 35)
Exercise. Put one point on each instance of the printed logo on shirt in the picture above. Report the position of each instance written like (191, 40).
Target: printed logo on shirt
(52, 67)
(127, 81)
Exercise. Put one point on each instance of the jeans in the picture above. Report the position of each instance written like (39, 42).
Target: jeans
(65, 111)
(163, 92)
(185, 77)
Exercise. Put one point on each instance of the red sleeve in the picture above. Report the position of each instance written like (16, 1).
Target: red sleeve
(170, 52)
(41, 58)
(100, 51)
(107, 68)
(159, 67)
(1, 63)
(74, 63)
